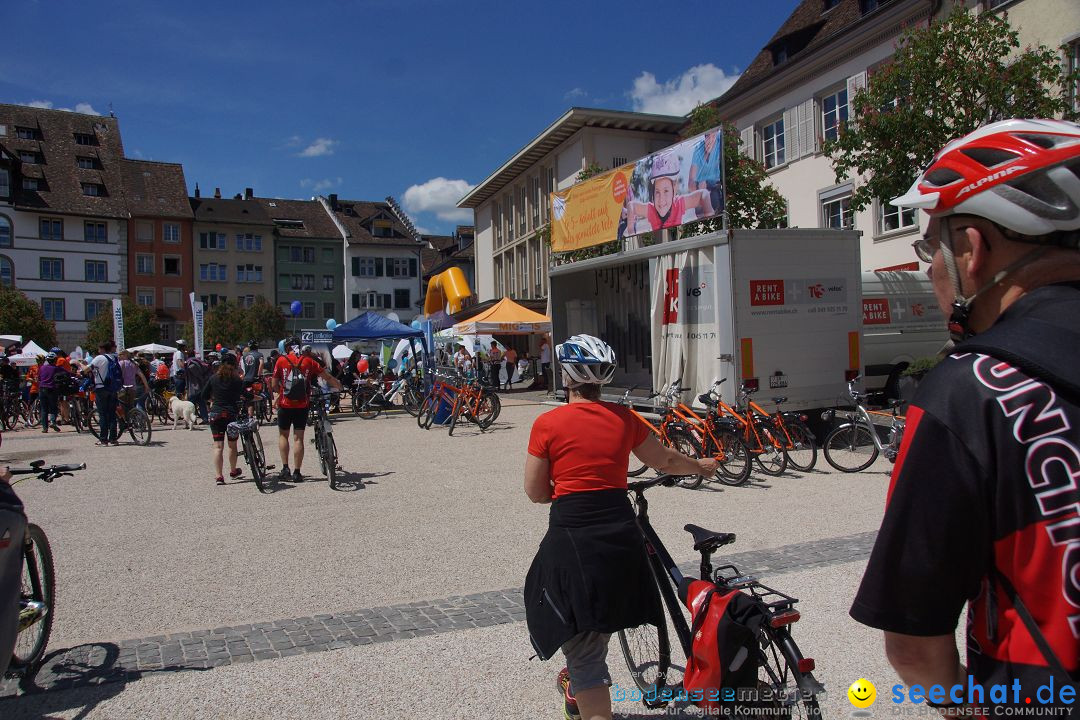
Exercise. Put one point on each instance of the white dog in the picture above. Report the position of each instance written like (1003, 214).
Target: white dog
(182, 410)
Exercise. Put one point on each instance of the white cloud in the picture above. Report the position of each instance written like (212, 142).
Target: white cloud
(575, 94)
(679, 96)
(319, 148)
(84, 108)
(423, 230)
(317, 186)
(440, 196)
(294, 141)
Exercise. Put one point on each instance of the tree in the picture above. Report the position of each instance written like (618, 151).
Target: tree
(140, 326)
(944, 81)
(226, 323)
(19, 315)
(751, 200)
(266, 320)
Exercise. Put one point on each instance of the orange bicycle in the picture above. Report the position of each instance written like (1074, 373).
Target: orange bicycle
(477, 404)
(671, 431)
(756, 427)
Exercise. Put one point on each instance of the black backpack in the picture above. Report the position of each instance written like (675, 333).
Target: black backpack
(296, 384)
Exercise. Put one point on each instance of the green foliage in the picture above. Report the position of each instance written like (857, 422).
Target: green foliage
(230, 324)
(267, 321)
(944, 81)
(140, 326)
(921, 366)
(19, 315)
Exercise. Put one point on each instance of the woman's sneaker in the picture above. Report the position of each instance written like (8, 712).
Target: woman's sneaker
(570, 708)
(285, 473)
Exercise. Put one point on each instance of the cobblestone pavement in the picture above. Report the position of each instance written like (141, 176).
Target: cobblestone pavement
(100, 663)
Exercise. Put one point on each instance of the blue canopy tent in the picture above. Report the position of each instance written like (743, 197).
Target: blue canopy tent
(372, 326)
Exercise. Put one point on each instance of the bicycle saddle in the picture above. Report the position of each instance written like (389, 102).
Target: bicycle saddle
(707, 539)
(779, 400)
(707, 400)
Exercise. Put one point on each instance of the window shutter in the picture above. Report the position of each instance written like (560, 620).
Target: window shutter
(792, 147)
(808, 127)
(378, 267)
(855, 83)
(412, 267)
(386, 301)
(747, 137)
(355, 269)
(356, 300)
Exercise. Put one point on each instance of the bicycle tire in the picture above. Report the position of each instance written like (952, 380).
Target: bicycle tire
(7, 417)
(424, 414)
(636, 471)
(647, 652)
(735, 469)
(684, 441)
(460, 406)
(778, 672)
(92, 424)
(331, 466)
(139, 426)
(253, 453)
(490, 407)
(850, 448)
(33, 413)
(771, 460)
(410, 400)
(38, 569)
(76, 416)
(368, 409)
(803, 454)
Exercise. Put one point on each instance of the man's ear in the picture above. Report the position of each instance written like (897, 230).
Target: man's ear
(978, 251)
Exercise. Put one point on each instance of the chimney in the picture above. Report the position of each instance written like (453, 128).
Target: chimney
(196, 189)
(249, 193)
(333, 202)
(217, 193)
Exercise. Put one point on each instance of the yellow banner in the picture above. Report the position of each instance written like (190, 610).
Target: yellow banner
(589, 213)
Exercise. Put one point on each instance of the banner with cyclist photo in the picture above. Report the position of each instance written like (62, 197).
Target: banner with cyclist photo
(686, 332)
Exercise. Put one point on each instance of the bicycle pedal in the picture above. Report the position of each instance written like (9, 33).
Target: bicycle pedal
(269, 467)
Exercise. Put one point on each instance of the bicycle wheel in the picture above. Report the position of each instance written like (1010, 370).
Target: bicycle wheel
(802, 455)
(771, 459)
(411, 400)
(736, 465)
(370, 407)
(33, 413)
(426, 412)
(91, 421)
(635, 467)
(460, 408)
(8, 416)
(791, 693)
(76, 416)
(36, 601)
(685, 442)
(850, 447)
(647, 651)
(253, 453)
(490, 407)
(138, 426)
(331, 463)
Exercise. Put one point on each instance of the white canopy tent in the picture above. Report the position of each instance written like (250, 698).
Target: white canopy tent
(28, 356)
(153, 349)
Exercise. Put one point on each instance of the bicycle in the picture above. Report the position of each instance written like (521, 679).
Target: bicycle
(477, 403)
(37, 595)
(784, 676)
(324, 438)
(758, 431)
(129, 417)
(251, 446)
(441, 391)
(262, 401)
(854, 445)
(672, 432)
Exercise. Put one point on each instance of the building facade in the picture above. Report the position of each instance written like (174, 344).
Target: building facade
(381, 258)
(63, 224)
(309, 260)
(511, 206)
(233, 250)
(160, 258)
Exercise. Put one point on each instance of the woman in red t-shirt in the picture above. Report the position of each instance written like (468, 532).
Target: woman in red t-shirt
(590, 577)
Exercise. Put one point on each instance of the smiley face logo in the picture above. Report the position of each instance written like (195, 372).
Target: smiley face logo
(862, 693)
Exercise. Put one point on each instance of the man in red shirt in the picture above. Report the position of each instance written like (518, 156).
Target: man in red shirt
(294, 377)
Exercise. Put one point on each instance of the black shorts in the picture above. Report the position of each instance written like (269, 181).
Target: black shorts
(219, 420)
(294, 417)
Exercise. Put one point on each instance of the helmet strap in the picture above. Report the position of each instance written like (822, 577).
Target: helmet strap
(960, 315)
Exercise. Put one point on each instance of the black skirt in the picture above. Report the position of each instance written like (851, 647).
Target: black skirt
(590, 573)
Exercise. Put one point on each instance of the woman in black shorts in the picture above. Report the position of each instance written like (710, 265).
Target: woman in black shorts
(224, 393)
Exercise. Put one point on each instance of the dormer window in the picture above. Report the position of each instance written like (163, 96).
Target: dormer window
(30, 157)
(382, 228)
(93, 189)
(289, 224)
(27, 133)
(85, 139)
(88, 163)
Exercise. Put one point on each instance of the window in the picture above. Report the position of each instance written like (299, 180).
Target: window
(309, 283)
(363, 267)
(210, 300)
(53, 308)
(146, 296)
(28, 156)
(96, 271)
(836, 208)
(328, 283)
(248, 242)
(173, 297)
(328, 255)
(88, 163)
(245, 301)
(496, 222)
(95, 232)
(296, 254)
(834, 113)
(382, 228)
(297, 282)
(212, 241)
(144, 264)
(309, 255)
(170, 233)
(5, 183)
(401, 298)
(144, 231)
(7, 272)
(249, 273)
(893, 218)
(95, 308)
(85, 139)
(399, 267)
(328, 309)
(51, 268)
(617, 162)
(213, 272)
(309, 310)
(25, 133)
(772, 143)
(521, 210)
(32, 184)
(93, 189)
(5, 232)
(172, 265)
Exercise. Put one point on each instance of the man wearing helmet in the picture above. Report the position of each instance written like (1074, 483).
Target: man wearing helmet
(592, 562)
(983, 505)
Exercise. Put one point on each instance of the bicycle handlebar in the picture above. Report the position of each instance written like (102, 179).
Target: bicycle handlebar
(48, 474)
(640, 486)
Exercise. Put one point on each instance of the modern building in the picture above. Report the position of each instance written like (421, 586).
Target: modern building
(233, 249)
(63, 224)
(382, 258)
(309, 259)
(160, 258)
(510, 207)
(443, 252)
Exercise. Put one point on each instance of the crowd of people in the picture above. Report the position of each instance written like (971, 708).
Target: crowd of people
(499, 366)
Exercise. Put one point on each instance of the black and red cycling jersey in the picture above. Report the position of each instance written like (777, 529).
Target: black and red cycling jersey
(987, 476)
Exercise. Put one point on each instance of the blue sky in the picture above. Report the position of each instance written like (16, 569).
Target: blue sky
(419, 99)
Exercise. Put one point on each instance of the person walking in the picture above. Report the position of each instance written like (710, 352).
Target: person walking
(511, 358)
(224, 392)
(592, 562)
(196, 373)
(295, 375)
(495, 358)
(982, 506)
(48, 388)
(134, 379)
(105, 369)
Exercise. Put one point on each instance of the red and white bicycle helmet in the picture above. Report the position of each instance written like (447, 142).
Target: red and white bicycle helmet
(1023, 175)
(586, 360)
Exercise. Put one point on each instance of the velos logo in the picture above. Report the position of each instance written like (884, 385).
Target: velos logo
(990, 178)
(918, 309)
(817, 291)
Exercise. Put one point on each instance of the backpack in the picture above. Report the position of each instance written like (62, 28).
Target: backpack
(724, 656)
(296, 383)
(114, 379)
